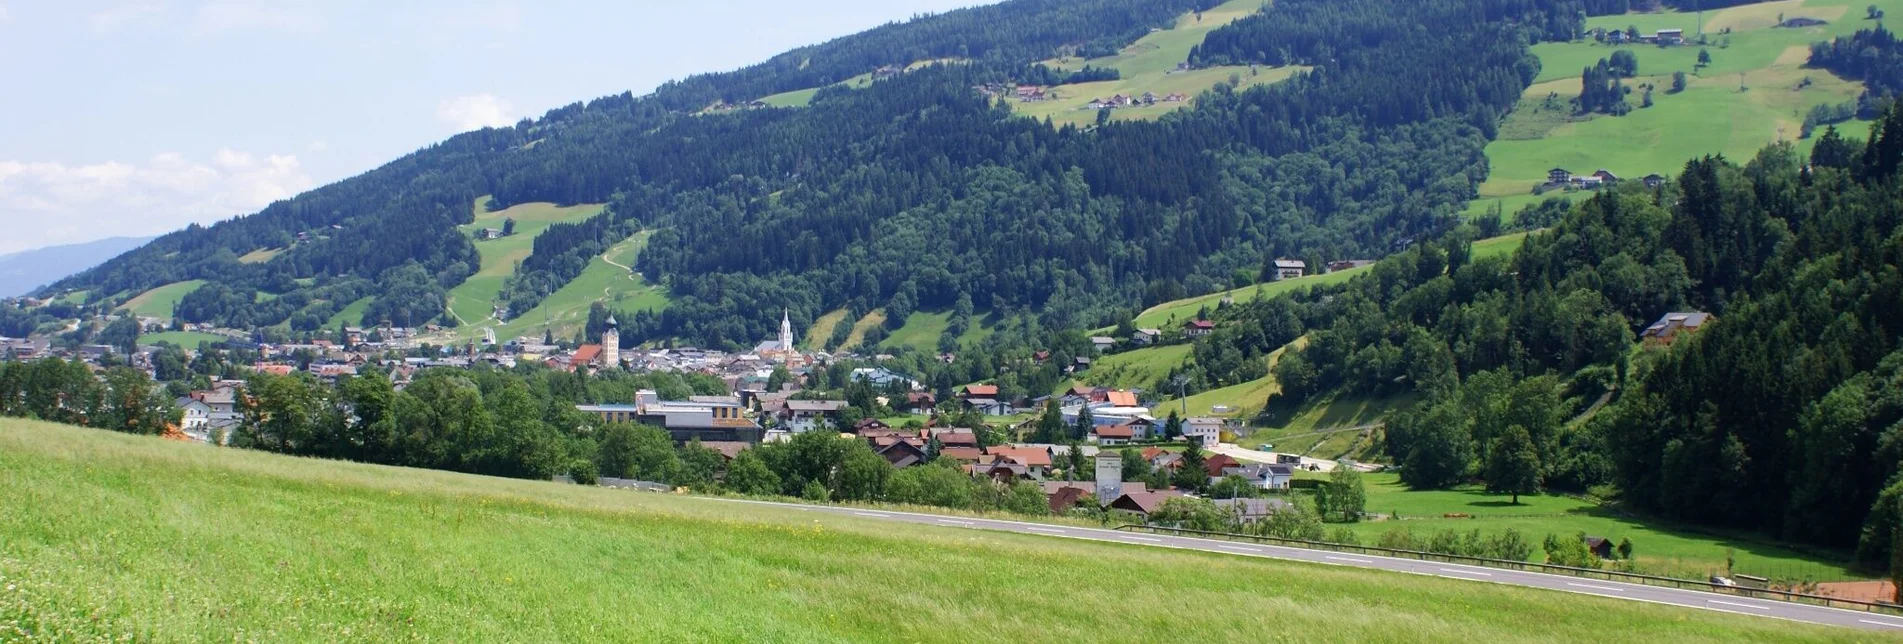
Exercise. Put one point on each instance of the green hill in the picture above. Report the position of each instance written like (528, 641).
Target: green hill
(159, 302)
(183, 542)
(473, 300)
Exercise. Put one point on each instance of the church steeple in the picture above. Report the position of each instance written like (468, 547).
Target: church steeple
(786, 330)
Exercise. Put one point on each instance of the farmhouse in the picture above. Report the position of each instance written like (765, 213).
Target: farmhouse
(1668, 37)
(1654, 181)
(1102, 344)
(488, 234)
(1606, 176)
(1146, 337)
(1198, 328)
(1558, 175)
(1288, 269)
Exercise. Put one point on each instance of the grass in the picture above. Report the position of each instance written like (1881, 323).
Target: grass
(1497, 246)
(804, 97)
(566, 310)
(182, 542)
(822, 330)
(1136, 368)
(350, 315)
(860, 328)
(1656, 548)
(183, 339)
(922, 330)
(261, 255)
(1511, 205)
(159, 302)
(1170, 314)
(1712, 116)
(473, 300)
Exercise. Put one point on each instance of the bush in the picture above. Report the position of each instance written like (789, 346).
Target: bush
(815, 491)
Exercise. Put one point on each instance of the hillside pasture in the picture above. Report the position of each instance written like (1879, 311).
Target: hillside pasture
(159, 302)
(181, 339)
(822, 330)
(350, 315)
(336, 551)
(565, 311)
(864, 325)
(473, 300)
(261, 255)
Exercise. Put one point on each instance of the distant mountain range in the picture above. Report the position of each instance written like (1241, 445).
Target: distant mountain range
(24, 271)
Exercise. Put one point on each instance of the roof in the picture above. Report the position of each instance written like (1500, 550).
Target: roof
(1144, 502)
(1064, 498)
(1216, 463)
(981, 391)
(815, 405)
(1673, 321)
(1111, 431)
(586, 354)
(957, 438)
(1027, 456)
(1121, 398)
(1098, 339)
(728, 449)
(963, 454)
(1200, 324)
(1290, 263)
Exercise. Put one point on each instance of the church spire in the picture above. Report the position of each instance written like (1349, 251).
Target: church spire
(786, 330)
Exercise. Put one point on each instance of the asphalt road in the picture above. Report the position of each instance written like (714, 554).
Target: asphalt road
(1700, 600)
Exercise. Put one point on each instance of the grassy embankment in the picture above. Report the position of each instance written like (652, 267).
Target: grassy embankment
(183, 542)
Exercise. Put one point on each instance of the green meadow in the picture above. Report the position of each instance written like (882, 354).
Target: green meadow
(182, 339)
(922, 330)
(1755, 92)
(605, 280)
(115, 537)
(473, 300)
(821, 331)
(350, 315)
(159, 302)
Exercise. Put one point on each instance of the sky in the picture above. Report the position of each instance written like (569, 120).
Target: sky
(137, 117)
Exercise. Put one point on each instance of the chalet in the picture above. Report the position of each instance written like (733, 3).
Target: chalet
(1668, 328)
(1065, 498)
(1031, 94)
(1216, 464)
(1558, 175)
(1110, 435)
(900, 452)
(1288, 269)
(979, 391)
(1204, 430)
(1176, 97)
(1668, 37)
(1096, 104)
(1035, 459)
(1102, 344)
(869, 426)
(1614, 36)
(806, 415)
(1607, 176)
(1265, 477)
(1654, 181)
(919, 402)
(728, 450)
(1146, 337)
(1198, 328)
(1148, 98)
(1252, 510)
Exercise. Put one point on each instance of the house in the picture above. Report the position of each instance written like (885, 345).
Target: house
(1176, 97)
(1108, 435)
(1146, 337)
(1149, 98)
(1035, 459)
(806, 415)
(1102, 344)
(1558, 175)
(1065, 498)
(957, 438)
(1614, 36)
(1264, 477)
(1143, 503)
(1667, 329)
(1204, 430)
(197, 414)
(727, 449)
(1348, 264)
(704, 418)
(1606, 176)
(1288, 269)
(1587, 182)
(964, 455)
(886, 71)
(1653, 181)
(871, 426)
(1668, 37)
(1030, 93)
(1198, 328)
(989, 406)
(1216, 464)
(979, 391)
(919, 402)
(901, 453)
(487, 234)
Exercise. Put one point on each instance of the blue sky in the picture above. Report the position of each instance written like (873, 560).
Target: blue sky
(135, 117)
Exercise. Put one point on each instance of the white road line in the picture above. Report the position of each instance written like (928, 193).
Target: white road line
(1240, 548)
(1466, 572)
(1750, 606)
(1364, 561)
(1881, 623)
(1049, 530)
(1145, 539)
(873, 514)
(1604, 588)
(952, 522)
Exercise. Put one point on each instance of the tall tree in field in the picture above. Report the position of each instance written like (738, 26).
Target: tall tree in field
(1050, 426)
(1513, 466)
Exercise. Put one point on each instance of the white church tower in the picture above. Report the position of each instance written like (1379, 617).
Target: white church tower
(611, 344)
(786, 330)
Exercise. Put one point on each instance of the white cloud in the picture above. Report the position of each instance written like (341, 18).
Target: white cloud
(78, 203)
(229, 15)
(113, 18)
(467, 113)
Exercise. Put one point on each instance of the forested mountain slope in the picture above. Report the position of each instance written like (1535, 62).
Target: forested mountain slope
(917, 192)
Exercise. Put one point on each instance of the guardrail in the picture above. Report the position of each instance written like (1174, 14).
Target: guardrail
(1587, 573)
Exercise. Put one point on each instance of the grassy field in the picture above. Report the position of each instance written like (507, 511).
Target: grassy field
(860, 328)
(1497, 246)
(183, 339)
(182, 542)
(1136, 368)
(473, 300)
(261, 255)
(350, 315)
(1172, 314)
(1754, 93)
(1149, 65)
(822, 330)
(922, 330)
(566, 310)
(159, 302)
(804, 97)
(1683, 553)
(1512, 204)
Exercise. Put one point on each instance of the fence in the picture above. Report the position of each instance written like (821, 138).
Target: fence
(1588, 573)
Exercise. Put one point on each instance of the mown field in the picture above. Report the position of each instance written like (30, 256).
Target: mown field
(350, 315)
(183, 542)
(183, 339)
(922, 330)
(604, 280)
(1756, 91)
(473, 300)
(1655, 547)
(159, 302)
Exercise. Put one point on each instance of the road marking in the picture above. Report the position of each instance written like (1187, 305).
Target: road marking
(1049, 530)
(1605, 588)
(1750, 606)
(954, 522)
(1239, 548)
(1881, 623)
(1366, 561)
(1466, 572)
(873, 514)
(1146, 539)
